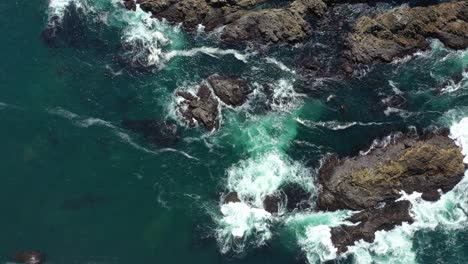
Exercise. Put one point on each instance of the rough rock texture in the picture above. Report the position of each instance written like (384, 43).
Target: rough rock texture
(422, 165)
(404, 30)
(232, 197)
(242, 22)
(157, 132)
(202, 107)
(231, 91)
(370, 221)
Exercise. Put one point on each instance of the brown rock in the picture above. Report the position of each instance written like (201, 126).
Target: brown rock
(203, 107)
(231, 91)
(423, 165)
(404, 30)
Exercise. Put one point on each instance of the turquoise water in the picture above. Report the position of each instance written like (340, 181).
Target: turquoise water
(80, 188)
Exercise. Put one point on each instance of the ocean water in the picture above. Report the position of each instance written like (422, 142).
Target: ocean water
(79, 187)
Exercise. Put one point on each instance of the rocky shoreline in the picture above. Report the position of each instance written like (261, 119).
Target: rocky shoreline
(369, 184)
(372, 183)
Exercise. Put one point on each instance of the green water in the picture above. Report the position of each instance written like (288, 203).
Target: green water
(78, 187)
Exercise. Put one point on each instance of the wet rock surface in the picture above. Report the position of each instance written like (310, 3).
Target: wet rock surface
(372, 183)
(230, 90)
(370, 221)
(232, 197)
(423, 165)
(405, 30)
(242, 22)
(202, 107)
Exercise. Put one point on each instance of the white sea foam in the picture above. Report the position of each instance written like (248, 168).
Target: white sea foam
(336, 125)
(452, 86)
(284, 97)
(210, 51)
(280, 65)
(257, 177)
(253, 179)
(145, 37)
(239, 223)
(312, 230)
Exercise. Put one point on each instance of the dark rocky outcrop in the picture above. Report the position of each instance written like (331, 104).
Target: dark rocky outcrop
(370, 221)
(272, 202)
(231, 91)
(30, 257)
(404, 30)
(424, 165)
(275, 25)
(156, 132)
(242, 23)
(231, 197)
(202, 107)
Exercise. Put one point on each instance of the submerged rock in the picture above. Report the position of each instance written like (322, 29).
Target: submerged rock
(370, 221)
(422, 165)
(156, 132)
(405, 30)
(231, 91)
(202, 107)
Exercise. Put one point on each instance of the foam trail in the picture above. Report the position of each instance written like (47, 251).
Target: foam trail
(336, 125)
(280, 65)
(210, 51)
(86, 122)
(453, 86)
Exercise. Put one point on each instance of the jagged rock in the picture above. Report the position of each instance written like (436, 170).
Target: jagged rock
(370, 221)
(405, 30)
(203, 107)
(232, 197)
(424, 165)
(268, 26)
(231, 91)
(157, 132)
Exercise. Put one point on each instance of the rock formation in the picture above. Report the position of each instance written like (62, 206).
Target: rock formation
(241, 22)
(370, 221)
(361, 182)
(232, 91)
(372, 182)
(203, 107)
(404, 30)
